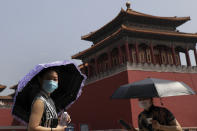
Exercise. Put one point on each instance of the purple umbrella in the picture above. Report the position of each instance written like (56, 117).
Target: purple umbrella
(70, 83)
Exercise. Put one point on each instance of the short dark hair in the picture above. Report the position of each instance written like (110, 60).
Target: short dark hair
(43, 73)
(46, 70)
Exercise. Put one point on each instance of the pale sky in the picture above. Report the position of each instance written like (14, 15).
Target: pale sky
(40, 31)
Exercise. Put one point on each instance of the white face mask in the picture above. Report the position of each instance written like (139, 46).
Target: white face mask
(144, 104)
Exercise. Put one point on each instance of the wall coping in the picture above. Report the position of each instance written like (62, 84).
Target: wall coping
(141, 67)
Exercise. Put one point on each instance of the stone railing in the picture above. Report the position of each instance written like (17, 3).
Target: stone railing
(184, 129)
(189, 128)
(13, 128)
(143, 67)
(162, 68)
(110, 130)
(112, 71)
(5, 104)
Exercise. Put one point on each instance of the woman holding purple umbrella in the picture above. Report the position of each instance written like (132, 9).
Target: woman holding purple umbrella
(43, 112)
(45, 93)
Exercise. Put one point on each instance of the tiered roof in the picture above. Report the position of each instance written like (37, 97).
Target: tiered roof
(118, 28)
(134, 16)
(10, 96)
(2, 87)
(6, 97)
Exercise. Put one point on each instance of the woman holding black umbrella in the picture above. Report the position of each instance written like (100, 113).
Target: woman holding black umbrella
(156, 118)
(153, 118)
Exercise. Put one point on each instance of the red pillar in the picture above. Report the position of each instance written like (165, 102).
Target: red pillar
(173, 54)
(84, 67)
(109, 58)
(88, 69)
(96, 65)
(179, 59)
(137, 52)
(167, 52)
(195, 55)
(160, 55)
(152, 53)
(187, 57)
(128, 52)
(131, 54)
(120, 54)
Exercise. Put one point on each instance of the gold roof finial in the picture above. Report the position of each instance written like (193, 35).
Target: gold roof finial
(128, 4)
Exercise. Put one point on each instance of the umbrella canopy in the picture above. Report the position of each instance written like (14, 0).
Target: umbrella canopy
(152, 87)
(70, 83)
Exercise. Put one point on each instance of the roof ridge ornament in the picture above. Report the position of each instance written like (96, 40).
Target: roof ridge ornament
(128, 5)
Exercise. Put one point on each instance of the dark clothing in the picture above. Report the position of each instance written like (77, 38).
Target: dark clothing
(162, 115)
(49, 117)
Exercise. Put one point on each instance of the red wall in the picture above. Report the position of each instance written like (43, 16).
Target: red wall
(183, 107)
(7, 121)
(5, 117)
(95, 108)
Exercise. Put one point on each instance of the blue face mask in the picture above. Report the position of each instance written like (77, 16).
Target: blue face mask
(49, 85)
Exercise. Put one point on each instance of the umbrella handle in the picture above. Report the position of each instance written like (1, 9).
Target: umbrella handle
(124, 124)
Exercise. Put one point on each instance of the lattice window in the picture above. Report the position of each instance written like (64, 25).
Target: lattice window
(142, 56)
(148, 55)
(124, 58)
(115, 58)
(123, 50)
(91, 71)
(105, 65)
(177, 59)
(170, 58)
(134, 56)
(163, 57)
(115, 61)
(157, 56)
(99, 68)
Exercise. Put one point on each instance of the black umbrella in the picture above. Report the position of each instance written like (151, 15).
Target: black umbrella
(152, 87)
(70, 83)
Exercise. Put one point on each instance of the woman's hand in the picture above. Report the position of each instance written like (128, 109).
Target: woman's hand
(68, 119)
(64, 118)
(156, 124)
(175, 126)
